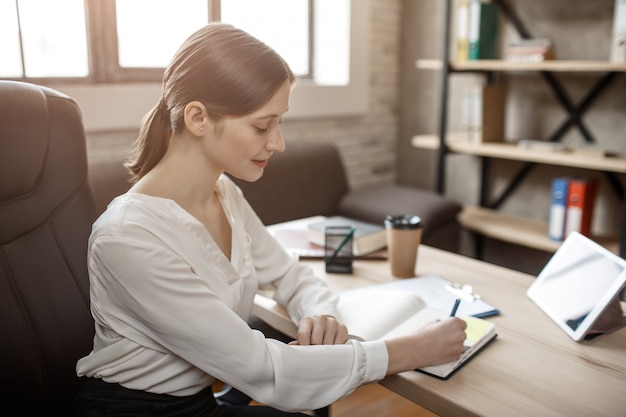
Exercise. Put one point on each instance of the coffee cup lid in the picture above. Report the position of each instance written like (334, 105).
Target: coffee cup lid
(403, 221)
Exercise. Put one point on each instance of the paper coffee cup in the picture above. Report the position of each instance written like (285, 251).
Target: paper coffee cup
(404, 235)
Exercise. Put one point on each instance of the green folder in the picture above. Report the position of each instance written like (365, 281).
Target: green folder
(483, 30)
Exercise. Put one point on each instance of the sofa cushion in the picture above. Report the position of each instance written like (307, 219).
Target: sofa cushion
(373, 203)
(108, 178)
(307, 179)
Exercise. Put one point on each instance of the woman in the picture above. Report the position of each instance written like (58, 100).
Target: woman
(175, 262)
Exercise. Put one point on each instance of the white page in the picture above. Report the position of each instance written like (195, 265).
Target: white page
(432, 289)
(370, 315)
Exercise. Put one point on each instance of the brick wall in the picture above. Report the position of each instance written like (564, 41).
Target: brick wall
(368, 142)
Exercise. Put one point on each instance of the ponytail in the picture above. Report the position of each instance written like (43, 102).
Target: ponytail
(152, 142)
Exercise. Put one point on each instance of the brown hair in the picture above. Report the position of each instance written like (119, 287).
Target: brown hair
(229, 71)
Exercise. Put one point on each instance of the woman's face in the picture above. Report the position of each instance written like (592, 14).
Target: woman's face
(246, 143)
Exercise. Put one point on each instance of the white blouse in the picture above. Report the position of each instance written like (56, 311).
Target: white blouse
(170, 309)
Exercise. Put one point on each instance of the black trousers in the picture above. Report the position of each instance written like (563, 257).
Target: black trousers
(97, 398)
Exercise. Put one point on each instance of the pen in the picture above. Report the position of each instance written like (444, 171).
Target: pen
(342, 244)
(455, 307)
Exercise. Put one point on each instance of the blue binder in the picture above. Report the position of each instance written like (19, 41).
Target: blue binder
(558, 208)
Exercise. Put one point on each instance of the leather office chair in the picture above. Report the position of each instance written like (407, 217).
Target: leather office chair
(46, 213)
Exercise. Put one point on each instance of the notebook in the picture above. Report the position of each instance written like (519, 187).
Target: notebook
(377, 312)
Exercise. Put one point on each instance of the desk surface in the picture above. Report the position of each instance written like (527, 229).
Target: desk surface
(531, 369)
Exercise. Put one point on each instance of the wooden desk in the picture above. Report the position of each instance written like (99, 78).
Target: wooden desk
(531, 369)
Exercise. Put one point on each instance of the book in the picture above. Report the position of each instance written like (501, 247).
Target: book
(293, 236)
(592, 150)
(483, 113)
(558, 205)
(483, 29)
(542, 145)
(581, 195)
(380, 313)
(368, 237)
(462, 30)
(618, 33)
(529, 50)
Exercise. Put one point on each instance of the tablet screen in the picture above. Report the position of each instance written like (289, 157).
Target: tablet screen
(577, 284)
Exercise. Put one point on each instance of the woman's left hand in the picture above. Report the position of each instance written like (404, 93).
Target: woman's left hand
(321, 330)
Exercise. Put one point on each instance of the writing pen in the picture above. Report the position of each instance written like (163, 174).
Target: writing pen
(455, 307)
(342, 244)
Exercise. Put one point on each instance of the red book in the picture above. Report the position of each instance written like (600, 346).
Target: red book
(580, 202)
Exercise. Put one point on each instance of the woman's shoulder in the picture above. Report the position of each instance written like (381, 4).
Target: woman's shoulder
(132, 211)
(134, 202)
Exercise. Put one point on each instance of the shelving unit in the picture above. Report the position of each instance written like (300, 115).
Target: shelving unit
(486, 219)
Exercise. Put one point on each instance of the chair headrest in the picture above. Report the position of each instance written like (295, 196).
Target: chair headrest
(42, 153)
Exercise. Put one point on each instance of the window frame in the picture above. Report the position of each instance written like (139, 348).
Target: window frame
(103, 54)
(103, 45)
(102, 112)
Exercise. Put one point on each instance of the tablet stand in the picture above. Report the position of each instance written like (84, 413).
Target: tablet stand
(611, 319)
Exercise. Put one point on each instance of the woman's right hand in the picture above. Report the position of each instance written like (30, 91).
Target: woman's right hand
(437, 343)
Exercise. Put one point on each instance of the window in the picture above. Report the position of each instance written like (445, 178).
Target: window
(164, 26)
(133, 40)
(293, 19)
(340, 51)
(45, 47)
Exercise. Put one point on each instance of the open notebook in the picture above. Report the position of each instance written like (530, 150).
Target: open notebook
(381, 313)
(439, 293)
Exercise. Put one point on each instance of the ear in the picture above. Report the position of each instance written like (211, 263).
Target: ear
(196, 118)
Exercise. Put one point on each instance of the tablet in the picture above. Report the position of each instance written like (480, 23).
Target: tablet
(577, 284)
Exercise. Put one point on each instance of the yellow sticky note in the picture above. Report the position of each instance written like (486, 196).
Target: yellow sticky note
(476, 328)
